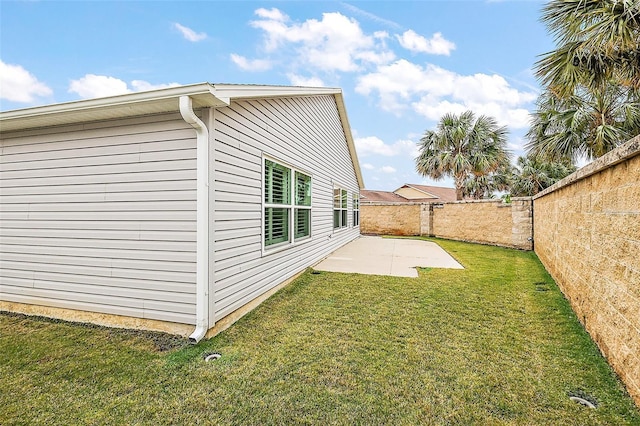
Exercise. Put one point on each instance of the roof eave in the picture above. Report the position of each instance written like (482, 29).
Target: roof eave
(165, 100)
(423, 191)
(430, 194)
(254, 91)
(346, 127)
(112, 107)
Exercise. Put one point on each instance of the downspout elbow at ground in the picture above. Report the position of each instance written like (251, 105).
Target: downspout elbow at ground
(202, 222)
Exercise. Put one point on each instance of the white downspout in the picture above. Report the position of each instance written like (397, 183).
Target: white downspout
(202, 219)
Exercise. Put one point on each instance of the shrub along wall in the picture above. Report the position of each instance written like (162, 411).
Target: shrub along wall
(587, 234)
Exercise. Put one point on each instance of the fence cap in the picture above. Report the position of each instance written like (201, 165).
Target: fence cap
(627, 150)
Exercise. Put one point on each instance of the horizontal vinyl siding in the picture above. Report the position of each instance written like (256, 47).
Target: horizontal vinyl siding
(307, 134)
(101, 217)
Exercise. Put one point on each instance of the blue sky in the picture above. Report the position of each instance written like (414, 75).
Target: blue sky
(400, 64)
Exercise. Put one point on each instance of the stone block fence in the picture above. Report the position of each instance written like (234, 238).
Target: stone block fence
(480, 221)
(585, 230)
(587, 235)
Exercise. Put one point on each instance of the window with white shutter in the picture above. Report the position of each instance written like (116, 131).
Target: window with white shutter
(287, 204)
(339, 208)
(356, 209)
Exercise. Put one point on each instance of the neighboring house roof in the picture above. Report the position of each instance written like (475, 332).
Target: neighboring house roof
(426, 194)
(167, 100)
(430, 192)
(381, 196)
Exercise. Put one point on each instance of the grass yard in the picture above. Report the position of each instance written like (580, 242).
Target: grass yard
(493, 344)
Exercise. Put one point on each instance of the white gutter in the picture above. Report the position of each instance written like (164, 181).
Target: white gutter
(202, 222)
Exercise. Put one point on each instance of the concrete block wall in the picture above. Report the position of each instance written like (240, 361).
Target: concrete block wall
(485, 221)
(587, 235)
(522, 223)
(390, 219)
(426, 219)
(482, 221)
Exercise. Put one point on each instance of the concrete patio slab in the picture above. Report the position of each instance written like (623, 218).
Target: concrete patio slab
(387, 256)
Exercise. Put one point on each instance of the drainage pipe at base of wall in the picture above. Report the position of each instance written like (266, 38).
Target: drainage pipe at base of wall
(202, 216)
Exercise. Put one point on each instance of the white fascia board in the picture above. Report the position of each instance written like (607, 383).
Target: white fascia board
(254, 91)
(346, 127)
(120, 106)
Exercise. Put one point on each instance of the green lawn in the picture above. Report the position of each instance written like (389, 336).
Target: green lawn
(493, 344)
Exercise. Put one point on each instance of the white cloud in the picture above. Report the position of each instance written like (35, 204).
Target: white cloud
(517, 118)
(516, 144)
(434, 110)
(273, 23)
(256, 65)
(432, 91)
(373, 145)
(142, 86)
(381, 35)
(378, 58)
(19, 85)
(371, 16)
(436, 45)
(272, 14)
(97, 86)
(335, 43)
(398, 82)
(387, 169)
(298, 80)
(189, 34)
(483, 88)
(409, 147)
(368, 166)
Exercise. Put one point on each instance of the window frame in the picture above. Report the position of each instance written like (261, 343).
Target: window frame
(298, 207)
(343, 208)
(292, 207)
(355, 211)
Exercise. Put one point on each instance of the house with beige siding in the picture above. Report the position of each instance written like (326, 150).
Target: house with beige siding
(176, 209)
(426, 193)
(409, 193)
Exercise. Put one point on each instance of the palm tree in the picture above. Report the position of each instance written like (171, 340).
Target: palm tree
(586, 125)
(598, 41)
(591, 103)
(532, 175)
(484, 185)
(462, 146)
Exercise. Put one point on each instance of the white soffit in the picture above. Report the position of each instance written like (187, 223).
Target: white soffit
(113, 107)
(256, 91)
